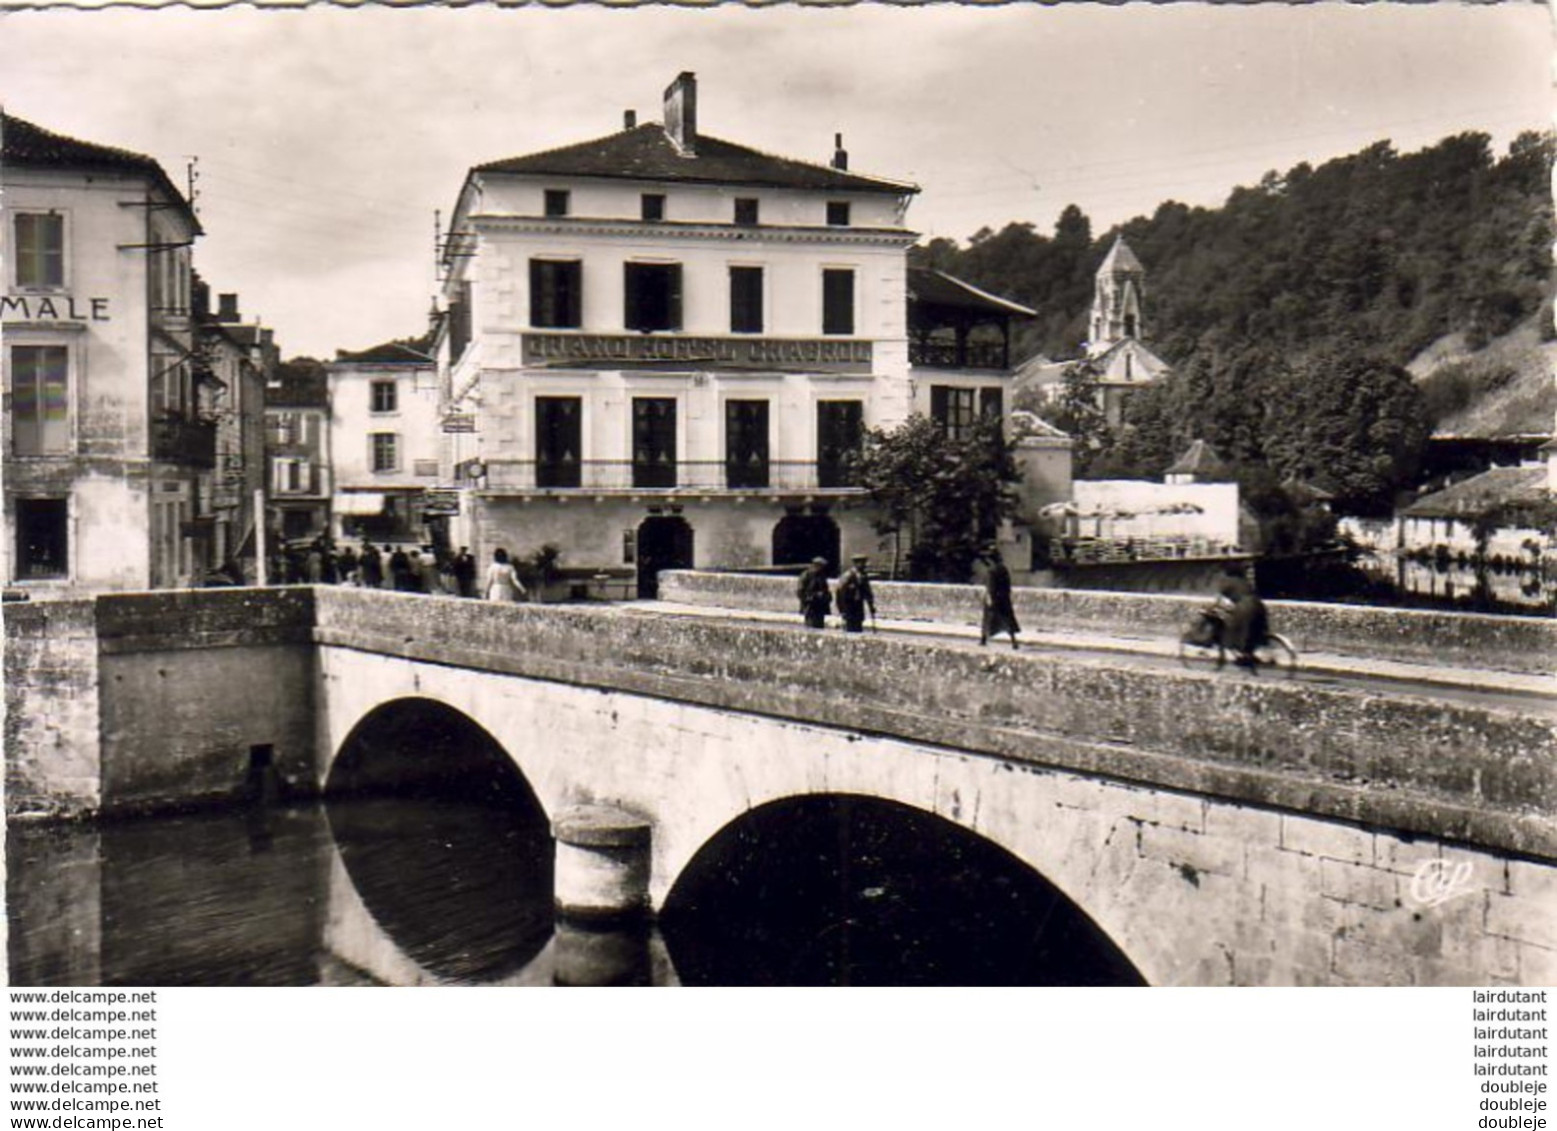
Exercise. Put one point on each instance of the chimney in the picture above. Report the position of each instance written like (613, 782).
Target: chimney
(840, 154)
(629, 119)
(228, 311)
(681, 112)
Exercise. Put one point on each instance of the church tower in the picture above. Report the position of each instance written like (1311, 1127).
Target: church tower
(1116, 303)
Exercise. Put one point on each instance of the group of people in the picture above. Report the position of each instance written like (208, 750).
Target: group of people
(855, 596)
(425, 570)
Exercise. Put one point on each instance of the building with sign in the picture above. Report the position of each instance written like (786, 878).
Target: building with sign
(385, 440)
(659, 349)
(108, 432)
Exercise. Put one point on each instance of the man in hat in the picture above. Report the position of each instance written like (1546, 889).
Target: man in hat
(816, 600)
(854, 595)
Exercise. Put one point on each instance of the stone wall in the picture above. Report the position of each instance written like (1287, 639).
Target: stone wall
(1426, 766)
(1194, 890)
(193, 682)
(1490, 643)
(51, 708)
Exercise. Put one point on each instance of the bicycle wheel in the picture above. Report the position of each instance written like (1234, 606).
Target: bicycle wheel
(1196, 653)
(1277, 652)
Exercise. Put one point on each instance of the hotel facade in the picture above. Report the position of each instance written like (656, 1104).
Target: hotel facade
(659, 349)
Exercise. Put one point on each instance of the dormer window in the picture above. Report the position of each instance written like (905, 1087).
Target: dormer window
(746, 210)
(557, 202)
(837, 213)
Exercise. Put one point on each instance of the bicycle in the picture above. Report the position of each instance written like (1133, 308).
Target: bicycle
(1204, 642)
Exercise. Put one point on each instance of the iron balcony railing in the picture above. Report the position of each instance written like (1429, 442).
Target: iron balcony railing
(705, 475)
(184, 440)
(949, 355)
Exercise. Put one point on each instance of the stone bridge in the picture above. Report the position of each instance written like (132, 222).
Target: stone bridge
(1215, 830)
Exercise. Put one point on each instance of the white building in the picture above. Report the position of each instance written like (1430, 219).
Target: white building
(108, 440)
(385, 438)
(664, 345)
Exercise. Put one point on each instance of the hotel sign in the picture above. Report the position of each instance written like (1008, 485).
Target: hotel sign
(826, 355)
(52, 308)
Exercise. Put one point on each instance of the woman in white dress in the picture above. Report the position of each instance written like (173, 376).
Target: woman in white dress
(503, 582)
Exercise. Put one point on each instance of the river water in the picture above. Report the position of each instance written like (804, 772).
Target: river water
(423, 892)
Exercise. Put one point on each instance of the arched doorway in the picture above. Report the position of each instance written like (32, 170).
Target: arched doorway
(841, 889)
(443, 840)
(798, 538)
(664, 542)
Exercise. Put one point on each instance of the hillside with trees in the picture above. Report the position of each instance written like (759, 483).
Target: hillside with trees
(1291, 313)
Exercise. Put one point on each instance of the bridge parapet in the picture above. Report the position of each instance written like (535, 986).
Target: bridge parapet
(1491, 643)
(1458, 772)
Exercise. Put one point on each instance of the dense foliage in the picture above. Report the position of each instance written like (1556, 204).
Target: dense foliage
(1395, 249)
(1288, 313)
(941, 498)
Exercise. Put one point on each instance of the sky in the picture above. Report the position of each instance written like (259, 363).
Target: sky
(327, 138)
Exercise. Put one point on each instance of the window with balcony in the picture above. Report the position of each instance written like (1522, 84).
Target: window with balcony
(837, 213)
(840, 432)
(42, 539)
(383, 396)
(40, 400)
(837, 301)
(652, 296)
(746, 210)
(557, 202)
(384, 451)
(746, 300)
(954, 410)
(559, 441)
(746, 443)
(654, 442)
(39, 248)
(556, 294)
(653, 205)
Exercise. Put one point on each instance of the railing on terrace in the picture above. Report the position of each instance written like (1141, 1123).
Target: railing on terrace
(949, 355)
(1100, 551)
(620, 475)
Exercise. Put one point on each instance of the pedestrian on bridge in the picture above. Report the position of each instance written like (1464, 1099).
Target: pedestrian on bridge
(816, 599)
(855, 595)
(503, 582)
(999, 615)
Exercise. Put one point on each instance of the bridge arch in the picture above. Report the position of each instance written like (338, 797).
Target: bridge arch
(441, 841)
(826, 888)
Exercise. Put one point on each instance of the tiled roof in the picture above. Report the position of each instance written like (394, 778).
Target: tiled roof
(401, 352)
(1120, 258)
(940, 289)
(1201, 459)
(1480, 493)
(24, 145)
(646, 153)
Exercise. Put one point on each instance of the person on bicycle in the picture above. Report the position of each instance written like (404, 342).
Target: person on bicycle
(1245, 623)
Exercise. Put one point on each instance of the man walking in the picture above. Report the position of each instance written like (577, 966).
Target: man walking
(816, 600)
(855, 595)
(999, 615)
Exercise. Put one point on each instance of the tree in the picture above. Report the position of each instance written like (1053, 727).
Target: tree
(1078, 411)
(942, 496)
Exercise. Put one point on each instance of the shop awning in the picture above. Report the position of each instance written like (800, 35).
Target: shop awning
(359, 503)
